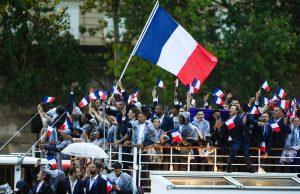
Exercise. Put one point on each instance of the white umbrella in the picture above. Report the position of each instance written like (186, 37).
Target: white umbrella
(87, 150)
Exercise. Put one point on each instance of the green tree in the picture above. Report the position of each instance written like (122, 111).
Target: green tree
(259, 43)
(38, 56)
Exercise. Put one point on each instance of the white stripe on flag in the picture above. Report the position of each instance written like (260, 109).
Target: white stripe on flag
(176, 51)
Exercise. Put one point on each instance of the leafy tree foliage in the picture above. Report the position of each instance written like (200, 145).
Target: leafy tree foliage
(37, 54)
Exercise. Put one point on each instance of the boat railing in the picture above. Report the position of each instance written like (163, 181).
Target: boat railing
(139, 162)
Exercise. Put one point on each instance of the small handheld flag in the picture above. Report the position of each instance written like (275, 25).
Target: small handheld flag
(263, 147)
(217, 92)
(47, 99)
(196, 84)
(176, 137)
(68, 124)
(284, 104)
(66, 164)
(160, 83)
(84, 102)
(275, 127)
(230, 124)
(52, 162)
(218, 101)
(281, 93)
(135, 92)
(114, 90)
(266, 86)
(49, 131)
(255, 111)
(266, 101)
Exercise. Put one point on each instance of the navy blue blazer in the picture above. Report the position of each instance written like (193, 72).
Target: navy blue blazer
(45, 189)
(99, 186)
(64, 186)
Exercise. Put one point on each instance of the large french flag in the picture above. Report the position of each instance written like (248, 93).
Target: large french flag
(168, 45)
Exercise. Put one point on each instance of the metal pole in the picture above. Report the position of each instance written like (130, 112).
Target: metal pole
(18, 131)
(135, 166)
(171, 159)
(140, 38)
(109, 164)
(259, 155)
(215, 161)
(120, 153)
(189, 163)
(140, 167)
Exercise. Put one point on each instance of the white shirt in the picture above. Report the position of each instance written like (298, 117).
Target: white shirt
(117, 180)
(232, 118)
(92, 180)
(141, 133)
(72, 184)
(161, 119)
(39, 186)
(180, 128)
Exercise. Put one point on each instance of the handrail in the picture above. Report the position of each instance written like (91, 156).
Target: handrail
(187, 147)
(138, 162)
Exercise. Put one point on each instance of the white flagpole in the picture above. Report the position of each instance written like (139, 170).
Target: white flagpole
(140, 38)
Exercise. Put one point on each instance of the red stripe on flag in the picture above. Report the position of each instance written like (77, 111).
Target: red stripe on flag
(199, 65)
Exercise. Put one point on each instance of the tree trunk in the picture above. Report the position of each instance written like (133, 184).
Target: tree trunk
(116, 20)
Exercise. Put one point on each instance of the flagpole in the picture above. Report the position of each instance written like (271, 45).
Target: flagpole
(140, 38)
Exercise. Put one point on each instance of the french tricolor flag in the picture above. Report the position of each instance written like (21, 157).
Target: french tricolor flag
(266, 86)
(94, 95)
(98, 94)
(195, 86)
(293, 102)
(132, 99)
(266, 101)
(84, 102)
(176, 137)
(230, 124)
(135, 92)
(218, 101)
(160, 83)
(275, 127)
(114, 90)
(66, 164)
(263, 147)
(49, 131)
(168, 45)
(108, 186)
(68, 124)
(52, 162)
(281, 93)
(218, 92)
(285, 104)
(47, 99)
(255, 111)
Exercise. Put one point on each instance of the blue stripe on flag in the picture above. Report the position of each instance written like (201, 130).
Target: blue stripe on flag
(159, 31)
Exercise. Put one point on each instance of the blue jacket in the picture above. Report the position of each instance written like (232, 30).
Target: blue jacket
(99, 186)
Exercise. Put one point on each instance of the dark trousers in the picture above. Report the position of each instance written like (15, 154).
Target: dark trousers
(234, 149)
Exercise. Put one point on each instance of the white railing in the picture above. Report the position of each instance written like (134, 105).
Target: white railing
(138, 156)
